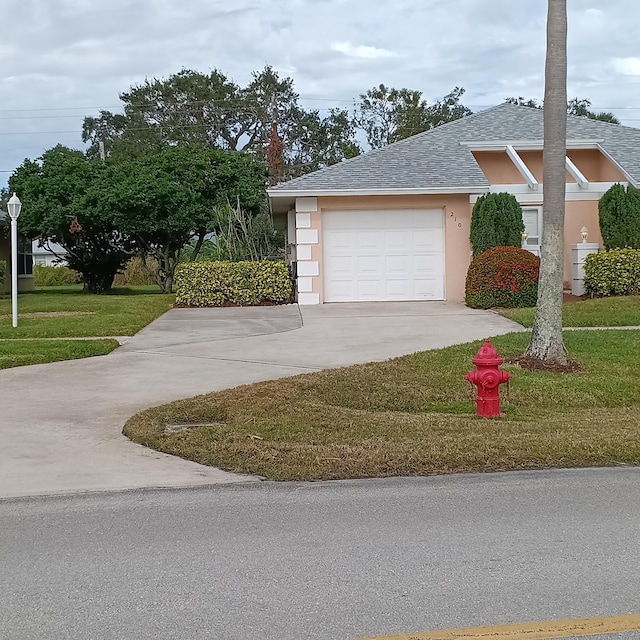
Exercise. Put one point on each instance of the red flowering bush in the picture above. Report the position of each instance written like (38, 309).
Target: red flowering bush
(503, 277)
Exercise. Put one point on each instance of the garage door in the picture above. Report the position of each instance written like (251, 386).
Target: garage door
(383, 255)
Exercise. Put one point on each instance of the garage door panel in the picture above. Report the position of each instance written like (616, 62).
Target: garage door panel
(427, 240)
(426, 288)
(341, 242)
(398, 241)
(383, 255)
(369, 266)
(398, 265)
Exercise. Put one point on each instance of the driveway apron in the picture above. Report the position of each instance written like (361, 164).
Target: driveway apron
(61, 423)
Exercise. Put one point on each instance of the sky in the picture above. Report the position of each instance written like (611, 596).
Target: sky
(61, 60)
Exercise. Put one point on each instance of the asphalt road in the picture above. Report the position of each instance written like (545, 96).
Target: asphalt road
(323, 561)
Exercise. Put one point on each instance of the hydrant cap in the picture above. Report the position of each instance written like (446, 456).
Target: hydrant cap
(487, 355)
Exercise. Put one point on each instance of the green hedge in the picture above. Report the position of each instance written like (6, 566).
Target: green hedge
(613, 273)
(619, 215)
(503, 277)
(496, 221)
(3, 270)
(214, 284)
(54, 276)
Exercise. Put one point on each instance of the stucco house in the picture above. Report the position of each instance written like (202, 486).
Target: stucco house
(393, 224)
(26, 281)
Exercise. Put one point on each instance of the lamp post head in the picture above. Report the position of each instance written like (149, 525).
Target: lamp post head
(584, 233)
(14, 206)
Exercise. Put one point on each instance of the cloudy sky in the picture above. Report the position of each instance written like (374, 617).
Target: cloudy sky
(61, 60)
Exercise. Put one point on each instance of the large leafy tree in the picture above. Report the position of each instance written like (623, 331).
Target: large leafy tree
(575, 107)
(546, 338)
(387, 115)
(210, 110)
(166, 199)
(56, 191)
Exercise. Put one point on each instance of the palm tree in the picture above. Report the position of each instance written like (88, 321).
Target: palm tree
(546, 339)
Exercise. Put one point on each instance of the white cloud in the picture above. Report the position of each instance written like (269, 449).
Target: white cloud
(361, 51)
(627, 66)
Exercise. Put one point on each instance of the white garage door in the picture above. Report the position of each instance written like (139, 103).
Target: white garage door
(383, 255)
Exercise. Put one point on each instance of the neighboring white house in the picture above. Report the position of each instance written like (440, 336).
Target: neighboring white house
(45, 258)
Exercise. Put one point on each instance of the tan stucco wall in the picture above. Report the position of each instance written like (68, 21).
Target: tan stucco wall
(499, 169)
(457, 215)
(577, 215)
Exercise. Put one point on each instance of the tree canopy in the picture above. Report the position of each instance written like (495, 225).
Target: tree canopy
(575, 107)
(103, 213)
(56, 193)
(212, 111)
(387, 115)
(165, 199)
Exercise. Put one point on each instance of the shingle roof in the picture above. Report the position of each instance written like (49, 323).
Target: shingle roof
(439, 158)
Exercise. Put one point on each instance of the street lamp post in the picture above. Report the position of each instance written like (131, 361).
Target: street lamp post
(14, 206)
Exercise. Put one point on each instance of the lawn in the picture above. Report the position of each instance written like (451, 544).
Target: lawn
(17, 353)
(622, 311)
(121, 313)
(414, 416)
(67, 312)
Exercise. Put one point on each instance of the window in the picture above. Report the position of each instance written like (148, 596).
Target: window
(25, 257)
(532, 217)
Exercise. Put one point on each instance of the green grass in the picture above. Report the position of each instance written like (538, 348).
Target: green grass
(122, 313)
(67, 312)
(414, 416)
(17, 353)
(623, 311)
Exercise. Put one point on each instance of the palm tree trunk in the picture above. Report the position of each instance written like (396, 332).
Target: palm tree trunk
(546, 339)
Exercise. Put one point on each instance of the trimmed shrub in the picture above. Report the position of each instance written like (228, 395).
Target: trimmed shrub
(496, 221)
(138, 271)
(3, 271)
(54, 276)
(619, 212)
(215, 284)
(613, 273)
(503, 277)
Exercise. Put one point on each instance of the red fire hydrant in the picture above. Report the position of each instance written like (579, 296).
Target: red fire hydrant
(487, 377)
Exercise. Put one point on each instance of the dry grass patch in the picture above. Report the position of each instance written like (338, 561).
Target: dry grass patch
(414, 416)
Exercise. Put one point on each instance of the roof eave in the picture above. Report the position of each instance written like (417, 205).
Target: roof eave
(304, 193)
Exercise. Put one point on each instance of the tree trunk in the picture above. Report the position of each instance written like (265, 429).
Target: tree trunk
(167, 262)
(546, 338)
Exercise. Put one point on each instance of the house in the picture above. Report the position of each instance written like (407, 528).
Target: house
(52, 257)
(393, 224)
(25, 259)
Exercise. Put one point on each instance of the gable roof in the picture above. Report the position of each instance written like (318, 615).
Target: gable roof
(441, 159)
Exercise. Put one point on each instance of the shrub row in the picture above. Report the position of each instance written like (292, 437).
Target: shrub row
(54, 276)
(503, 277)
(214, 284)
(3, 270)
(613, 273)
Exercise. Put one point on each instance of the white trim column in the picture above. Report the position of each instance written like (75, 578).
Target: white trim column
(307, 239)
(578, 254)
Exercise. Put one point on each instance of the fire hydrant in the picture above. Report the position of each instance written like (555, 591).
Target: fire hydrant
(487, 377)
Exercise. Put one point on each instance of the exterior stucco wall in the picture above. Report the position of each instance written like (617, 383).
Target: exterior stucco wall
(457, 217)
(578, 215)
(499, 169)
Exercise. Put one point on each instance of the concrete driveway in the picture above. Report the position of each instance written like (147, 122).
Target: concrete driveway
(60, 424)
